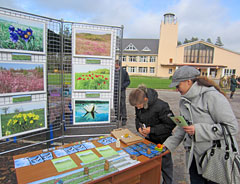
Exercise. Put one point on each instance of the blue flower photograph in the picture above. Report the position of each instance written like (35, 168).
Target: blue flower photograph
(21, 35)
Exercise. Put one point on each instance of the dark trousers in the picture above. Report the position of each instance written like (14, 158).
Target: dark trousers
(167, 169)
(196, 178)
(123, 109)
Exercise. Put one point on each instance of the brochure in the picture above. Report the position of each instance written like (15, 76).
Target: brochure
(35, 160)
(179, 120)
(79, 147)
(70, 150)
(21, 162)
(87, 156)
(106, 151)
(60, 153)
(47, 156)
(89, 145)
(64, 163)
(111, 139)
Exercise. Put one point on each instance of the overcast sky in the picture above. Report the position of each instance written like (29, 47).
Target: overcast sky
(141, 18)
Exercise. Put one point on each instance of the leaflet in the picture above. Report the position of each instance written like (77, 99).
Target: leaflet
(179, 120)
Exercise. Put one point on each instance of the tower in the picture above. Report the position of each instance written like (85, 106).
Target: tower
(167, 43)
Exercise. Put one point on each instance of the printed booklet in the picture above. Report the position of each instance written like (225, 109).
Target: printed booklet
(179, 120)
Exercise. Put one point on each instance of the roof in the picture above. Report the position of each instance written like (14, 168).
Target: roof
(140, 44)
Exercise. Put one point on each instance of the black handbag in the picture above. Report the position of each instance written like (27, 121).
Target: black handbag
(221, 165)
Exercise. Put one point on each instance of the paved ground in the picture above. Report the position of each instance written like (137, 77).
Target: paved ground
(172, 97)
(7, 171)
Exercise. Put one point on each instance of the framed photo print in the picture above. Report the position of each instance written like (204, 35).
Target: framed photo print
(91, 78)
(17, 78)
(92, 43)
(23, 118)
(23, 35)
(91, 111)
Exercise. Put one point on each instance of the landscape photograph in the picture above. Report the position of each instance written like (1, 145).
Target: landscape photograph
(21, 78)
(19, 119)
(91, 111)
(92, 43)
(91, 77)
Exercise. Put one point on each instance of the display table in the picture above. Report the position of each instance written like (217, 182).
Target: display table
(147, 171)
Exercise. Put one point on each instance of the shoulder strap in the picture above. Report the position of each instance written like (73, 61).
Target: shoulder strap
(230, 135)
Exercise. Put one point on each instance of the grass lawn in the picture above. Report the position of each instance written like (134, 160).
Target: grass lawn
(150, 82)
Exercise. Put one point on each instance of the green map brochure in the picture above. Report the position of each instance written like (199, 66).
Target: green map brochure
(87, 156)
(106, 151)
(179, 120)
(64, 163)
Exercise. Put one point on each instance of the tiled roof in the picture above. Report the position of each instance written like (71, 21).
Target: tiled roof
(140, 44)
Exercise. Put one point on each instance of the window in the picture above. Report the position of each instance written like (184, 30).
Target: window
(142, 69)
(132, 69)
(229, 72)
(152, 59)
(146, 49)
(143, 59)
(130, 47)
(124, 59)
(170, 71)
(170, 60)
(198, 53)
(152, 70)
(132, 58)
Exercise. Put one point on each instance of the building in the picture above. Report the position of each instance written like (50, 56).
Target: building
(161, 57)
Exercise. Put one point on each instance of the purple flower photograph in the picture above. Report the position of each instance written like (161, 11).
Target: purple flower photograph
(22, 35)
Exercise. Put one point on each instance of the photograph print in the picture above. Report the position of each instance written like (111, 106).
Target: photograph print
(91, 77)
(19, 119)
(91, 111)
(22, 35)
(92, 43)
(22, 78)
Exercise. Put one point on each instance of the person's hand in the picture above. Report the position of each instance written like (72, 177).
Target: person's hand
(164, 148)
(141, 132)
(146, 130)
(189, 129)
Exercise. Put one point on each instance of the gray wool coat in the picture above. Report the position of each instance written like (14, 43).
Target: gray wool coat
(205, 108)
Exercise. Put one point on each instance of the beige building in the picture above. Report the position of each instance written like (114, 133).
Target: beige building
(161, 57)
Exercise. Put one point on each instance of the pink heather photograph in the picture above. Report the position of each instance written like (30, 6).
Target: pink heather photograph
(21, 78)
(92, 43)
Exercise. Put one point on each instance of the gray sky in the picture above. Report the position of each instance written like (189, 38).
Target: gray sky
(141, 18)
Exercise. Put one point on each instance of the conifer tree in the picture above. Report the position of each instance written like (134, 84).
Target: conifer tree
(209, 40)
(219, 42)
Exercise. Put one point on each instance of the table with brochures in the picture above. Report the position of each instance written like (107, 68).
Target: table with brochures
(95, 161)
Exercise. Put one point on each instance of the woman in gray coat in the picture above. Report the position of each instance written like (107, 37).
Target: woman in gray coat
(203, 106)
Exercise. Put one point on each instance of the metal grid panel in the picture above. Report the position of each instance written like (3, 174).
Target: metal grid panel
(51, 61)
(58, 60)
(84, 131)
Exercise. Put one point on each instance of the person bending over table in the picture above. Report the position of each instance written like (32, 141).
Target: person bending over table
(153, 122)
